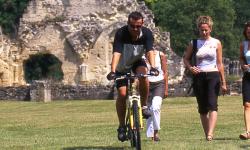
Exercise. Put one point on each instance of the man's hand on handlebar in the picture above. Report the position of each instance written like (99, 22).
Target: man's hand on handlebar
(154, 71)
(111, 76)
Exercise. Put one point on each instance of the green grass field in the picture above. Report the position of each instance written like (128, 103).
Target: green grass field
(92, 124)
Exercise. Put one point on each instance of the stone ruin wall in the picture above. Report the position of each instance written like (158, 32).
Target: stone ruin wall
(80, 34)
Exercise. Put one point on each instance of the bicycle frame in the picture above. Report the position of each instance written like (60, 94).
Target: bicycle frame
(133, 96)
(134, 121)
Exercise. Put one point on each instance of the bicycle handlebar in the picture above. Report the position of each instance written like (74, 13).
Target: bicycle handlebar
(134, 76)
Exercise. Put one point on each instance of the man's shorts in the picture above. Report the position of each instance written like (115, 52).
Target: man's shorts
(124, 82)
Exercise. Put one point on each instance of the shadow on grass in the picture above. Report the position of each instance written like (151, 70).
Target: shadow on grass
(225, 139)
(245, 146)
(93, 148)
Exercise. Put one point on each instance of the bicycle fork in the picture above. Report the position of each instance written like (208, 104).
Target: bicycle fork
(131, 99)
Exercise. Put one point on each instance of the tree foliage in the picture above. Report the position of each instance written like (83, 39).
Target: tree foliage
(10, 13)
(242, 10)
(179, 18)
(176, 17)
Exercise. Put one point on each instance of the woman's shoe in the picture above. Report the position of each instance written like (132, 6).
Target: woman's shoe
(209, 137)
(245, 136)
(156, 139)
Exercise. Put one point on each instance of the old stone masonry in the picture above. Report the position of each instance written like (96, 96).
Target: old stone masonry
(79, 33)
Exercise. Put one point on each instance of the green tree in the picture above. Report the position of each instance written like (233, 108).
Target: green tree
(179, 18)
(10, 13)
(242, 10)
(150, 2)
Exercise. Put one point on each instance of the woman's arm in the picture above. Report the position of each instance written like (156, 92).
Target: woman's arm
(187, 58)
(221, 67)
(164, 67)
(243, 63)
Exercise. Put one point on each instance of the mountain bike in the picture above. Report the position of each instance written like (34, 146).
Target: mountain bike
(134, 121)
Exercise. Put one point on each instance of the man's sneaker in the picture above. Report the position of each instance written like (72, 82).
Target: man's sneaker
(146, 112)
(122, 134)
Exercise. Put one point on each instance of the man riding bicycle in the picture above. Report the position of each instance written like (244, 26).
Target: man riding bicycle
(131, 42)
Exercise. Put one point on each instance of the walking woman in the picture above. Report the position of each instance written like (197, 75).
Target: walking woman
(245, 64)
(158, 89)
(208, 74)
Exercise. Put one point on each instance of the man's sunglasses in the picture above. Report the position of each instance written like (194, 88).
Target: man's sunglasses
(135, 26)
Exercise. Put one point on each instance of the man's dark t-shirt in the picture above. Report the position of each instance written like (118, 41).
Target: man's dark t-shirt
(131, 51)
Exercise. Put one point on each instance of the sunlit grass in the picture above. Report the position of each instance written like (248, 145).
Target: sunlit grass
(92, 124)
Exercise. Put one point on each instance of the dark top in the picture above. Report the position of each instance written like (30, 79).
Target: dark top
(131, 51)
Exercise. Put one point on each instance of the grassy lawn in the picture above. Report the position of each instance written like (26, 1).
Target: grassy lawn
(91, 125)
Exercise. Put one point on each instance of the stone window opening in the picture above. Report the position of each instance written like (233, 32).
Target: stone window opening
(43, 66)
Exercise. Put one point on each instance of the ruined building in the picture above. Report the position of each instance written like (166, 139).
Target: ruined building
(77, 32)
(79, 35)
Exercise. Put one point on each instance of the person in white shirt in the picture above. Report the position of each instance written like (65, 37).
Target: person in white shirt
(158, 89)
(208, 74)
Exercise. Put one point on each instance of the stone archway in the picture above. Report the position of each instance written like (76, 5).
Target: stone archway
(43, 66)
(99, 57)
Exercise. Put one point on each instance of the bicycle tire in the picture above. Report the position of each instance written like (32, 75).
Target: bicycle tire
(136, 136)
(129, 130)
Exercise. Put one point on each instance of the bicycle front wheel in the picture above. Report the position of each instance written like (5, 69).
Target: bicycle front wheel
(136, 137)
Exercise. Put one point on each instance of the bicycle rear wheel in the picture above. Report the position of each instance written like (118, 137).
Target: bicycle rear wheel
(136, 136)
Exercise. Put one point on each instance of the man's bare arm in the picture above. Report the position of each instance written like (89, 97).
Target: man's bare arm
(115, 60)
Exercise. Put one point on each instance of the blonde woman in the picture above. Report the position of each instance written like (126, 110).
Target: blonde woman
(208, 74)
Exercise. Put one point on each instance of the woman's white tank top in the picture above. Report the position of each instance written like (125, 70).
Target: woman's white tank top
(158, 67)
(246, 51)
(206, 56)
